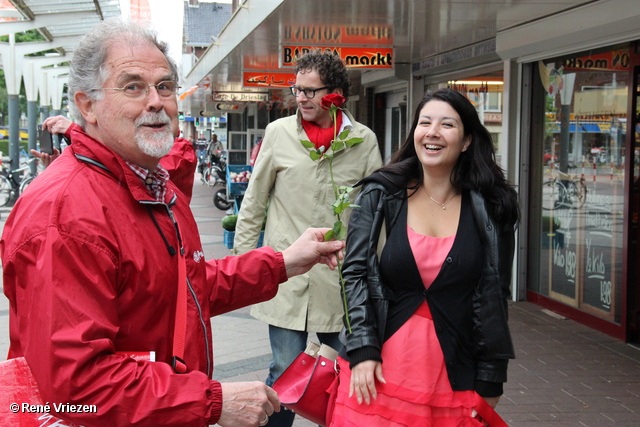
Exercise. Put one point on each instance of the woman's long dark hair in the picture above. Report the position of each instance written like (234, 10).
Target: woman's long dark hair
(476, 167)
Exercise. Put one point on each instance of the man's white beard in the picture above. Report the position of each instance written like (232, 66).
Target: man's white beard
(154, 144)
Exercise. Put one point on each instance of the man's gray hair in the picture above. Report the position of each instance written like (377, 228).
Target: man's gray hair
(88, 72)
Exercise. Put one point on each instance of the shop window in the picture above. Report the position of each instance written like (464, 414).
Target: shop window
(493, 101)
(263, 116)
(236, 122)
(485, 93)
(237, 153)
(579, 126)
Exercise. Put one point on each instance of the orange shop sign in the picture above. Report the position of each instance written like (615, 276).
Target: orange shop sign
(333, 34)
(616, 60)
(354, 57)
(267, 79)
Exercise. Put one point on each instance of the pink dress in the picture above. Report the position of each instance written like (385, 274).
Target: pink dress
(417, 392)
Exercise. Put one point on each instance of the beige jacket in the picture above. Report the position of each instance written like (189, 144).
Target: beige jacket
(300, 194)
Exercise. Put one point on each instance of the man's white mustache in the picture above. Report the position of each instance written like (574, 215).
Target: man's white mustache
(154, 119)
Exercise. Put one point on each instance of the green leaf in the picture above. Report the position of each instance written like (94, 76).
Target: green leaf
(344, 134)
(337, 145)
(307, 144)
(328, 235)
(353, 141)
(339, 231)
(339, 206)
(314, 155)
(328, 156)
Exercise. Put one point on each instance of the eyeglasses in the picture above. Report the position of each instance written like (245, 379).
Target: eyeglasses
(309, 93)
(136, 89)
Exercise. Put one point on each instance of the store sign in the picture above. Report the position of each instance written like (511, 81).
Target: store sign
(458, 55)
(492, 117)
(608, 61)
(240, 96)
(354, 57)
(267, 79)
(227, 107)
(332, 34)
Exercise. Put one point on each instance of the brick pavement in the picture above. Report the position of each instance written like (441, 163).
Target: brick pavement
(565, 374)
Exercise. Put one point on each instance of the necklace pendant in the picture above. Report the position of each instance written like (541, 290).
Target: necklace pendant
(444, 207)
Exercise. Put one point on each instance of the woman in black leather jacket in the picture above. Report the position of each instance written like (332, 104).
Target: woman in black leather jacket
(428, 271)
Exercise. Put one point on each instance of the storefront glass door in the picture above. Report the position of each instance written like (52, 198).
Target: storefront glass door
(634, 223)
(578, 135)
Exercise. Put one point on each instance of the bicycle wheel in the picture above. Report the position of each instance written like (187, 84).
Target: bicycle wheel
(207, 176)
(554, 195)
(5, 191)
(578, 193)
(220, 200)
(25, 182)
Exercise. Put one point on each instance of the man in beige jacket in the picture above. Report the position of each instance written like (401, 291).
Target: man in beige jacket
(300, 195)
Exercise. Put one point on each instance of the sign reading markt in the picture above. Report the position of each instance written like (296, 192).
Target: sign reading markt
(240, 96)
(354, 57)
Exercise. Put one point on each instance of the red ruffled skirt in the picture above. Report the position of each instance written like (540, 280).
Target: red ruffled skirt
(417, 392)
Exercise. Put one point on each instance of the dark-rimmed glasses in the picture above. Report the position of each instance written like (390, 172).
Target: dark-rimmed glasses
(309, 93)
(139, 89)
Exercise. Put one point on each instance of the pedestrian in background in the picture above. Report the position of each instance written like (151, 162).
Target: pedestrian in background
(429, 312)
(300, 195)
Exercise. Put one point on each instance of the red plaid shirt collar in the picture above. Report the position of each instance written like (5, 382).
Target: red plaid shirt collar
(156, 181)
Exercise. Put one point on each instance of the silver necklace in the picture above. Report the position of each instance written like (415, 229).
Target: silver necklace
(444, 205)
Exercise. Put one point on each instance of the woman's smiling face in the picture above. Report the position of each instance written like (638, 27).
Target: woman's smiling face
(439, 135)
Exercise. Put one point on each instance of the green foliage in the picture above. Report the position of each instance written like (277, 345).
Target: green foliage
(4, 146)
(27, 36)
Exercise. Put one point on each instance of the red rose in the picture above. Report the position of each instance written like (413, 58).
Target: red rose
(332, 99)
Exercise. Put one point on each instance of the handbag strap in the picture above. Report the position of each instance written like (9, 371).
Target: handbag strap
(488, 414)
(180, 326)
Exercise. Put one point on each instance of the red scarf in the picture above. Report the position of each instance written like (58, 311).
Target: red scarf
(319, 136)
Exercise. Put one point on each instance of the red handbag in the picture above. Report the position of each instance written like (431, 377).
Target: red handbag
(487, 414)
(309, 385)
(20, 401)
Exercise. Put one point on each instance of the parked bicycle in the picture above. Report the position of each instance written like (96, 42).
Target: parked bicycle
(14, 182)
(215, 168)
(563, 191)
(216, 174)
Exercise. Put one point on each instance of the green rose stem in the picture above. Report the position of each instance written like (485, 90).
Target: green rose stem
(337, 196)
(339, 231)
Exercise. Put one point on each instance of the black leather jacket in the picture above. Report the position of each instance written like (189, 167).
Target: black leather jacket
(483, 367)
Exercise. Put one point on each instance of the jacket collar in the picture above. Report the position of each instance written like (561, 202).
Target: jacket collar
(93, 152)
(348, 122)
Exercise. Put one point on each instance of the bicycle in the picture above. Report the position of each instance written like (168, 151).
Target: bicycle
(564, 191)
(14, 182)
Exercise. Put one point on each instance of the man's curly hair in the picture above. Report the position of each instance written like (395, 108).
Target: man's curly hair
(332, 70)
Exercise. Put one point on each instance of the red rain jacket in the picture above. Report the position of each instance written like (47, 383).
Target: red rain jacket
(88, 272)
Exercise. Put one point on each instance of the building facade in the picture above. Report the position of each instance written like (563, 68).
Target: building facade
(556, 84)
